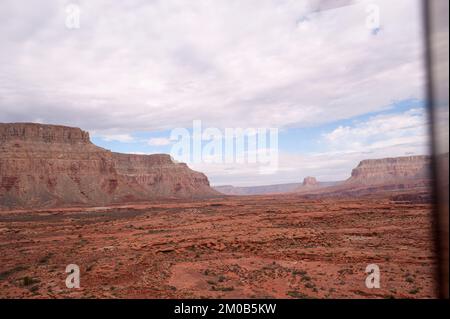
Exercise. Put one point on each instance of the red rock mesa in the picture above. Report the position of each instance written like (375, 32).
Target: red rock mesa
(49, 165)
(389, 170)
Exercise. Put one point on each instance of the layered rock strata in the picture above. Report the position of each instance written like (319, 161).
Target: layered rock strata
(49, 165)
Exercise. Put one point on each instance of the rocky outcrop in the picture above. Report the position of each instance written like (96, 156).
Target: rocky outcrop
(413, 198)
(388, 170)
(310, 181)
(49, 165)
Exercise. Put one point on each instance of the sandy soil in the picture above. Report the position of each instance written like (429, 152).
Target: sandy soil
(238, 247)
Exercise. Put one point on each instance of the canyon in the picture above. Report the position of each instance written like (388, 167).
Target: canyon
(145, 226)
(57, 166)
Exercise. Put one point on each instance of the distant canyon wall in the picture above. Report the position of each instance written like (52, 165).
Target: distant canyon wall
(369, 177)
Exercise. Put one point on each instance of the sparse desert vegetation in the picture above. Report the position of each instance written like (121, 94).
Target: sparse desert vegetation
(283, 246)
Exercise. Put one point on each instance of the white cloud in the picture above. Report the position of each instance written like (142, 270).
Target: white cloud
(386, 135)
(159, 141)
(124, 138)
(139, 153)
(139, 66)
(382, 131)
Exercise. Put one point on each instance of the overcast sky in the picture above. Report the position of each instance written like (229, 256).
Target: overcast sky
(337, 89)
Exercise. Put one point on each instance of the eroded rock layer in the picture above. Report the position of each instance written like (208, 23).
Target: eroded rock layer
(387, 170)
(48, 165)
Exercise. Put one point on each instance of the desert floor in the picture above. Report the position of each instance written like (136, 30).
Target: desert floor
(236, 247)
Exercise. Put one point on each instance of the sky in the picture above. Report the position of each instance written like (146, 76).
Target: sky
(339, 82)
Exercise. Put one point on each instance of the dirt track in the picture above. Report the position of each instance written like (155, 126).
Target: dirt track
(238, 247)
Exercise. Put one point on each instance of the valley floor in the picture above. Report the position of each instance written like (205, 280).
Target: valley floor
(238, 247)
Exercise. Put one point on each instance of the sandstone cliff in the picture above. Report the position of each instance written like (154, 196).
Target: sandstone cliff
(394, 176)
(49, 165)
(388, 170)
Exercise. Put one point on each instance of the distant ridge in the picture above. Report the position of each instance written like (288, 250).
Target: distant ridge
(371, 176)
(271, 189)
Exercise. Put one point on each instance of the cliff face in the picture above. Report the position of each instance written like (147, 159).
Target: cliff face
(388, 170)
(160, 176)
(30, 132)
(47, 165)
(408, 176)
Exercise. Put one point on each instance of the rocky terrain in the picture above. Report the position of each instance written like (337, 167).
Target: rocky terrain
(49, 166)
(278, 246)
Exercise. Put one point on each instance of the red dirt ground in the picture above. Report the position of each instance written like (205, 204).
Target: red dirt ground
(237, 247)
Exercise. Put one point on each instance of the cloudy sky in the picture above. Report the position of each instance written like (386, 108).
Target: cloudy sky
(337, 87)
